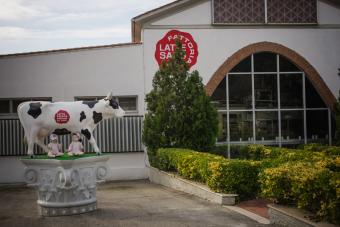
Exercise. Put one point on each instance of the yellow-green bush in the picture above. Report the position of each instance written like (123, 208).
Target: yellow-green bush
(328, 150)
(220, 174)
(308, 177)
(311, 186)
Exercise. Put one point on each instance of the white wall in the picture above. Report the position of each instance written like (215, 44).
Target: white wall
(201, 14)
(328, 14)
(121, 166)
(198, 14)
(320, 47)
(65, 75)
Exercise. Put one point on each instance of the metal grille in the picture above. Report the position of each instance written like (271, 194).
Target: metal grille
(112, 135)
(292, 11)
(239, 11)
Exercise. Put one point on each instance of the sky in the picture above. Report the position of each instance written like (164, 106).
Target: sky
(35, 25)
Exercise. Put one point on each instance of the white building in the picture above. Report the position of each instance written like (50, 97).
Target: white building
(278, 60)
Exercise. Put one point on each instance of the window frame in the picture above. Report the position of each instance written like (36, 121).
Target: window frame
(13, 114)
(279, 141)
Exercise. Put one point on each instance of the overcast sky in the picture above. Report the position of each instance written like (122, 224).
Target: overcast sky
(33, 25)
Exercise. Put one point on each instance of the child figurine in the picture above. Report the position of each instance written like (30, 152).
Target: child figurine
(76, 147)
(54, 147)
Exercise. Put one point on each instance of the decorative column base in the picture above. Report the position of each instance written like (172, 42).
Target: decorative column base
(61, 211)
(66, 187)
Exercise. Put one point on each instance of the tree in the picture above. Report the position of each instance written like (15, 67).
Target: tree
(180, 113)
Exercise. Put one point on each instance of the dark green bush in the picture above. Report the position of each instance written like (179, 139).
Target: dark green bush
(234, 176)
(236, 151)
(179, 112)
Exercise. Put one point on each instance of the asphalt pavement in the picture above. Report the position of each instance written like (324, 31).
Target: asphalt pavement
(125, 203)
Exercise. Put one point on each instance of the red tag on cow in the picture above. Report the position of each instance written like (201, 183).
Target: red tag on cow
(167, 45)
(62, 117)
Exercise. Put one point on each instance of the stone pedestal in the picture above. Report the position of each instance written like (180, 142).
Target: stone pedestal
(66, 187)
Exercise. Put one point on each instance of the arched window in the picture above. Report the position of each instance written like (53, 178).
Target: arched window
(267, 99)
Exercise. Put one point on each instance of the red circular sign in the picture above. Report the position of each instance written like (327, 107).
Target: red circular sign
(62, 117)
(167, 45)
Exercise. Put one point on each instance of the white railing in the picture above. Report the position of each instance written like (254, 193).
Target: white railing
(113, 135)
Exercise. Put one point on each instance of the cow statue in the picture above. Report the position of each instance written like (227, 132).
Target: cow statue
(40, 119)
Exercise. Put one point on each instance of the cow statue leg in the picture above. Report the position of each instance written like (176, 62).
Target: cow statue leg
(89, 136)
(40, 142)
(30, 147)
(30, 140)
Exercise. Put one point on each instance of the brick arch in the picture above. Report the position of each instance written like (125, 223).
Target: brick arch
(294, 57)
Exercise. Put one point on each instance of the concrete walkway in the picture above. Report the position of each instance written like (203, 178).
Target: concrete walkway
(131, 203)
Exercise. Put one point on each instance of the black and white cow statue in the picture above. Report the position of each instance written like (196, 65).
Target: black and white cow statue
(40, 119)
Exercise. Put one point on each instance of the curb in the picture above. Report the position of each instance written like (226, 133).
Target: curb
(175, 182)
(249, 214)
(291, 216)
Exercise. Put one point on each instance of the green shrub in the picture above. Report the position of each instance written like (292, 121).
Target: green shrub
(310, 186)
(259, 152)
(313, 147)
(236, 151)
(308, 177)
(253, 151)
(234, 176)
(328, 150)
(221, 150)
(220, 174)
(275, 184)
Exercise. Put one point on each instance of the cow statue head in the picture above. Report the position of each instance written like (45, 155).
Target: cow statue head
(112, 107)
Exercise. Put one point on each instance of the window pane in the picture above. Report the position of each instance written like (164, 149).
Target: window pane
(287, 66)
(313, 99)
(292, 126)
(4, 106)
(265, 62)
(222, 127)
(128, 103)
(265, 91)
(333, 127)
(317, 126)
(16, 103)
(266, 125)
(291, 90)
(241, 126)
(243, 66)
(240, 95)
(219, 96)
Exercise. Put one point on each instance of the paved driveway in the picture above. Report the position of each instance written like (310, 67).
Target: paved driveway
(131, 203)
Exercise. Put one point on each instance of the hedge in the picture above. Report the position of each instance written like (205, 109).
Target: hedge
(220, 174)
(308, 177)
(313, 187)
